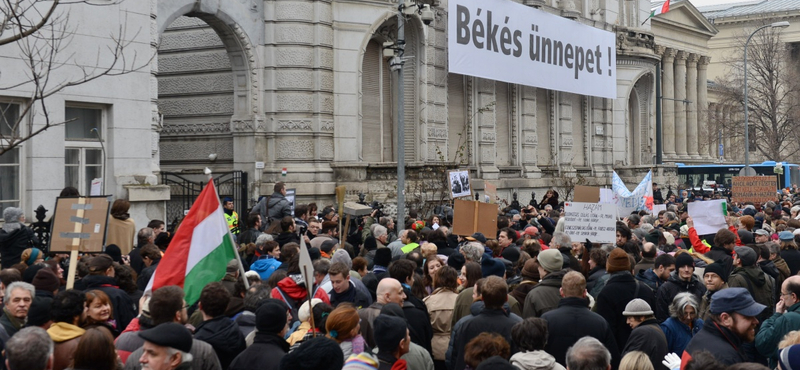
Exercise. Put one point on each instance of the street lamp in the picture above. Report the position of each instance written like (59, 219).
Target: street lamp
(782, 24)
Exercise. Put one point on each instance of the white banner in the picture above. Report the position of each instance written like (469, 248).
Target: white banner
(639, 199)
(594, 221)
(506, 41)
(708, 216)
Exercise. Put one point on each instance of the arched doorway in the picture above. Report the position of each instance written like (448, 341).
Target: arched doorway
(639, 131)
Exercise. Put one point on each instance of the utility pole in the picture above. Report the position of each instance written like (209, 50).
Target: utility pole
(396, 64)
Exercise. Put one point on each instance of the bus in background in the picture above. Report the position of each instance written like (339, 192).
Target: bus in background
(711, 178)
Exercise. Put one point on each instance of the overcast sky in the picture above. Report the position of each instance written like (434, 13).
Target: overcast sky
(699, 3)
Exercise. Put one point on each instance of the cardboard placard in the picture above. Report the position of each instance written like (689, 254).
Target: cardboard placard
(460, 185)
(470, 217)
(756, 189)
(587, 194)
(490, 190)
(79, 224)
(594, 221)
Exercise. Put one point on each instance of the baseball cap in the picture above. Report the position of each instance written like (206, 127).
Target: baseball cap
(737, 300)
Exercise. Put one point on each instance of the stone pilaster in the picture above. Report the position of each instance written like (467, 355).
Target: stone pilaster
(566, 141)
(667, 108)
(486, 133)
(702, 94)
(680, 105)
(692, 107)
(530, 139)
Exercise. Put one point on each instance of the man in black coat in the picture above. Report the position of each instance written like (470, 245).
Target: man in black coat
(217, 329)
(268, 346)
(15, 237)
(101, 277)
(646, 336)
(722, 250)
(414, 308)
(492, 319)
(679, 281)
(620, 289)
(731, 323)
(573, 320)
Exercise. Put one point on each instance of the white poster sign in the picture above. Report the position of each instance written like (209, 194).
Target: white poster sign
(507, 41)
(97, 187)
(708, 216)
(593, 221)
(658, 208)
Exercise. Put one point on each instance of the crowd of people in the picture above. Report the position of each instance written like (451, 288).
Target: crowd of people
(417, 296)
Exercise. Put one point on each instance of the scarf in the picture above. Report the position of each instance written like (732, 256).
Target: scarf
(11, 226)
(17, 323)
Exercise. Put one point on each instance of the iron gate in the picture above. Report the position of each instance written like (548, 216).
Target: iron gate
(184, 189)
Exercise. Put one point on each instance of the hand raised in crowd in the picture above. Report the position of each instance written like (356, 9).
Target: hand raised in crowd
(690, 222)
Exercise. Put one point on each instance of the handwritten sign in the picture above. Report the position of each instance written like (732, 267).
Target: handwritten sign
(756, 189)
(593, 221)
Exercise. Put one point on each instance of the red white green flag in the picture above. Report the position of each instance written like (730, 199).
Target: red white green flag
(658, 10)
(200, 249)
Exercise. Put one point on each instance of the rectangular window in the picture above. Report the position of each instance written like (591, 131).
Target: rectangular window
(10, 184)
(83, 154)
(81, 122)
(9, 114)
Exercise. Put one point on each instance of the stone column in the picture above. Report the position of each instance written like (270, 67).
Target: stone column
(530, 140)
(702, 95)
(692, 107)
(680, 106)
(668, 109)
(486, 132)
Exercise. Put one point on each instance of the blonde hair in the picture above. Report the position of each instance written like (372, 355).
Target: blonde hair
(636, 360)
(428, 250)
(792, 337)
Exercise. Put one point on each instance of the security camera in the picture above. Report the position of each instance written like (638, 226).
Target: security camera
(427, 15)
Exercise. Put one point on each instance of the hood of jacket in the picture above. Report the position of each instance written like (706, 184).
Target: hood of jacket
(263, 264)
(649, 275)
(533, 360)
(62, 332)
(770, 268)
(96, 281)
(686, 285)
(758, 277)
(220, 332)
(290, 288)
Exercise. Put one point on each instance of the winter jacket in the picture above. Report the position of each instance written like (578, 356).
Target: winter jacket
(594, 275)
(464, 304)
(419, 324)
(650, 278)
(620, 289)
(679, 334)
(721, 342)
(648, 338)
(792, 258)
(147, 273)
(572, 320)
(535, 360)
(224, 335)
(544, 296)
(488, 320)
(368, 315)
(674, 285)
(521, 291)
(287, 291)
(13, 243)
(705, 303)
(122, 232)
(66, 338)
(203, 357)
(644, 264)
(759, 284)
(124, 307)
(265, 353)
(772, 331)
(440, 308)
(726, 256)
(352, 295)
(278, 207)
(265, 266)
(286, 238)
(246, 322)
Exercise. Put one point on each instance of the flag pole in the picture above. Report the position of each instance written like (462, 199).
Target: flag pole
(233, 242)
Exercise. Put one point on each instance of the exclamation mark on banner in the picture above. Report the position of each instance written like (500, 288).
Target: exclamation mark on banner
(609, 61)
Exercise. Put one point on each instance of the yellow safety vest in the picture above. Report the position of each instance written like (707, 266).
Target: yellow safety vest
(233, 222)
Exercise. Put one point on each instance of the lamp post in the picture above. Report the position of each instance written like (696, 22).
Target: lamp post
(782, 24)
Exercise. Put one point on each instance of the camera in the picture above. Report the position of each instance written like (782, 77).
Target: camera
(427, 15)
(377, 206)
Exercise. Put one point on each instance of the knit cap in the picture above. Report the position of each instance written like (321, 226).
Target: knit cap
(361, 361)
(530, 271)
(492, 267)
(718, 269)
(683, 259)
(789, 357)
(551, 260)
(618, 261)
(271, 316)
(637, 307)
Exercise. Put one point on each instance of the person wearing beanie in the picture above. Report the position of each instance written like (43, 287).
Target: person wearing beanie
(268, 347)
(789, 357)
(646, 336)
(747, 274)
(715, 279)
(113, 251)
(417, 356)
(361, 361)
(620, 288)
(530, 277)
(493, 267)
(544, 296)
(785, 320)
(46, 284)
(320, 353)
(393, 342)
(681, 280)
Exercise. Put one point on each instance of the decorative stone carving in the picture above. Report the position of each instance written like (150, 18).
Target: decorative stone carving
(294, 125)
(437, 133)
(205, 128)
(295, 149)
(241, 125)
(326, 126)
(197, 150)
(531, 138)
(326, 149)
(488, 136)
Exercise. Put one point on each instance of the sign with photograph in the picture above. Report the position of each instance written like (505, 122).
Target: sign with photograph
(460, 184)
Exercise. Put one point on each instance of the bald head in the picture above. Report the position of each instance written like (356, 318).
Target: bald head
(390, 291)
(648, 250)
(790, 290)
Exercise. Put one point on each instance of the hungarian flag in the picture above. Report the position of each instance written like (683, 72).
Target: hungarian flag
(199, 251)
(658, 10)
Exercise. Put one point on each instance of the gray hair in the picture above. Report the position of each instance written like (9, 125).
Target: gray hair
(263, 239)
(647, 227)
(795, 209)
(679, 303)
(561, 239)
(20, 285)
(670, 216)
(29, 349)
(379, 231)
(588, 354)
(648, 219)
(321, 266)
(12, 214)
(185, 357)
(472, 251)
(143, 236)
(252, 298)
(774, 248)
